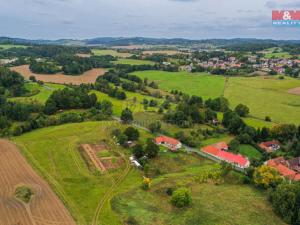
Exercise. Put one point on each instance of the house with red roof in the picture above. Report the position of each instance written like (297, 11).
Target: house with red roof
(170, 143)
(270, 146)
(290, 169)
(219, 152)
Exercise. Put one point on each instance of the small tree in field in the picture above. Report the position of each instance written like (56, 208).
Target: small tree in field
(265, 176)
(132, 134)
(181, 198)
(155, 127)
(151, 149)
(126, 116)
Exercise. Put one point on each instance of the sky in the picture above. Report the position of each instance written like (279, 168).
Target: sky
(193, 19)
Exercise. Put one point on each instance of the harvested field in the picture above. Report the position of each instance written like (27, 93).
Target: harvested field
(294, 91)
(44, 207)
(59, 78)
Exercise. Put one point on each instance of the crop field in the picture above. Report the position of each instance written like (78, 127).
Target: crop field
(133, 102)
(60, 78)
(42, 207)
(38, 93)
(134, 62)
(111, 52)
(85, 192)
(266, 97)
(226, 203)
(201, 84)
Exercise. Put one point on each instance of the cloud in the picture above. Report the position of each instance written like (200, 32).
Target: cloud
(271, 4)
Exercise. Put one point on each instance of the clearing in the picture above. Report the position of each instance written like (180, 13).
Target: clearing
(60, 78)
(295, 91)
(42, 207)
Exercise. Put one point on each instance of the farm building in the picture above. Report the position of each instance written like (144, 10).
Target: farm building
(289, 169)
(219, 151)
(168, 142)
(270, 146)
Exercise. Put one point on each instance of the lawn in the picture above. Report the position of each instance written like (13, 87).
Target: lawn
(134, 62)
(201, 84)
(227, 203)
(110, 52)
(38, 93)
(54, 153)
(266, 97)
(250, 152)
(133, 102)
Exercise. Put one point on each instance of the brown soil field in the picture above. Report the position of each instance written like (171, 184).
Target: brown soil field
(91, 152)
(59, 78)
(294, 91)
(44, 208)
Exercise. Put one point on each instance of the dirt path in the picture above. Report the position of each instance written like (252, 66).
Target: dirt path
(45, 207)
(59, 78)
(109, 193)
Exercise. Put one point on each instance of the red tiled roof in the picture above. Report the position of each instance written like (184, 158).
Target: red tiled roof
(233, 158)
(166, 139)
(227, 156)
(281, 166)
(211, 150)
(285, 171)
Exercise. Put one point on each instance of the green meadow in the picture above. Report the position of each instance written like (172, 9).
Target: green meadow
(111, 52)
(133, 102)
(264, 96)
(58, 159)
(134, 62)
(250, 152)
(38, 92)
(278, 55)
(201, 84)
(226, 203)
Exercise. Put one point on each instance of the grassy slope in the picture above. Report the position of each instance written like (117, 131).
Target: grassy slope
(266, 97)
(43, 92)
(223, 204)
(134, 62)
(110, 52)
(201, 84)
(119, 105)
(57, 158)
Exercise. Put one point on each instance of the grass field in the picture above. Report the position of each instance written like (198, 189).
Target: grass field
(250, 152)
(278, 55)
(40, 93)
(110, 52)
(223, 204)
(57, 158)
(8, 46)
(266, 97)
(133, 102)
(134, 62)
(201, 84)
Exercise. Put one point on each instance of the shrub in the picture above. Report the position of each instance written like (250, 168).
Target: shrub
(23, 193)
(181, 198)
